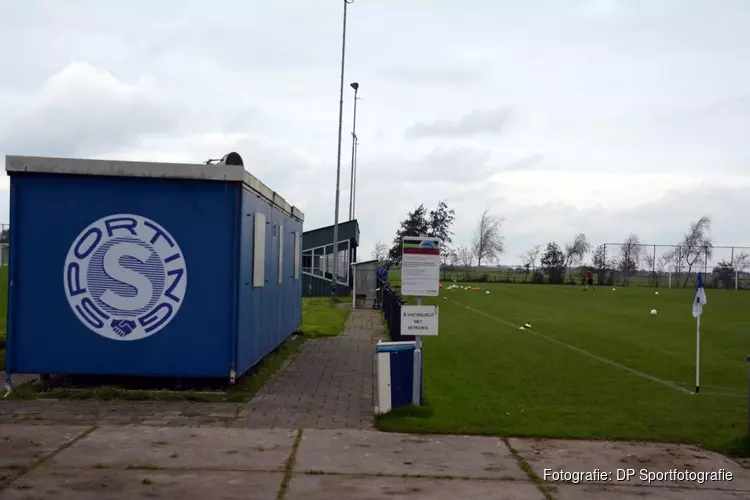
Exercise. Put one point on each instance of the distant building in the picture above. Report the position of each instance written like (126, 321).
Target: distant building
(318, 255)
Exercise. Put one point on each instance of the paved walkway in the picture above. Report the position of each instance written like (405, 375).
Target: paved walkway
(126, 462)
(328, 384)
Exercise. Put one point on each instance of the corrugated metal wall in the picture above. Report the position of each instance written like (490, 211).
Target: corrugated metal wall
(268, 314)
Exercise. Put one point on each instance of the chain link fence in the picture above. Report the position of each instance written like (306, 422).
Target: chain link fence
(621, 264)
(673, 266)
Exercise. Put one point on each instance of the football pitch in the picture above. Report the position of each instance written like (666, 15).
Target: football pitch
(595, 364)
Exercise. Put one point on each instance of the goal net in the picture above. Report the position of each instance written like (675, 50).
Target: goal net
(687, 276)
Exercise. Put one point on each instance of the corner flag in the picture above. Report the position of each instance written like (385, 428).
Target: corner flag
(698, 302)
(700, 297)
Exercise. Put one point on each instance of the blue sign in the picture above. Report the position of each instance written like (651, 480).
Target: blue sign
(125, 277)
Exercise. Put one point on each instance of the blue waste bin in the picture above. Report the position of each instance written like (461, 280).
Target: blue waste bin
(395, 375)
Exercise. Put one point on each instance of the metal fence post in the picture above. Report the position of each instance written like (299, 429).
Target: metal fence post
(417, 384)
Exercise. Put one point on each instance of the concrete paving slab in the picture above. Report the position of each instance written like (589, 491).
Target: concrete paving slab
(22, 445)
(647, 463)
(371, 452)
(8, 475)
(607, 492)
(322, 487)
(119, 484)
(180, 448)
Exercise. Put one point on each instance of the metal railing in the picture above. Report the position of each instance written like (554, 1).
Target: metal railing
(390, 302)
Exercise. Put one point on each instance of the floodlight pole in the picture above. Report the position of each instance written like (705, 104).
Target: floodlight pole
(355, 86)
(354, 184)
(335, 270)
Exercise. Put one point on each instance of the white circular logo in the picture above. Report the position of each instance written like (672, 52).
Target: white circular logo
(125, 277)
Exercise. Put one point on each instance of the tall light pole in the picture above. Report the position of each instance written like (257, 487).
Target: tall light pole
(335, 270)
(355, 86)
(354, 183)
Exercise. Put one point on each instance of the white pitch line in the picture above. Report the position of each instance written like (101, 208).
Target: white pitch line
(718, 390)
(584, 352)
(725, 387)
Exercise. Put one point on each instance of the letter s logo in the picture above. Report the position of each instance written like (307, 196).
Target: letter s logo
(130, 282)
(113, 268)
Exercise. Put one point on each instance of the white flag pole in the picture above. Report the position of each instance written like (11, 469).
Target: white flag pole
(698, 356)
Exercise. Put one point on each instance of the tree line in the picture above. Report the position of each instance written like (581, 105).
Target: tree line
(555, 263)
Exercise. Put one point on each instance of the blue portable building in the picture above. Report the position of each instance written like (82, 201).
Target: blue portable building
(148, 269)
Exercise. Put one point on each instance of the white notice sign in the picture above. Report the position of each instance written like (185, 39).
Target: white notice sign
(419, 320)
(420, 266)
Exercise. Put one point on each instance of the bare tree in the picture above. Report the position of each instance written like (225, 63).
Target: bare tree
(528, 260)
(695, 244)
(576, 251)
(533, 255)
(630, 257)
(487, 244)
(466, 258)
(661, 263)
(380, 252)
(453, 262)
(650, 263)
(741, 262)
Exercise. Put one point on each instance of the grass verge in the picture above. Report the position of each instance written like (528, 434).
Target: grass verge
(322, 318)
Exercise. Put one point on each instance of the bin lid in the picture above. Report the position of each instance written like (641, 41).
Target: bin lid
(395, 346)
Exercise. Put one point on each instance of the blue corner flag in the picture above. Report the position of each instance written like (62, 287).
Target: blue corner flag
(700, 297)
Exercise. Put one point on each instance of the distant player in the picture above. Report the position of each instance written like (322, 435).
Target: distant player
(589, 281)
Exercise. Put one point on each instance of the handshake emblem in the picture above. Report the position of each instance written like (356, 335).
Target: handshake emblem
(123, 327)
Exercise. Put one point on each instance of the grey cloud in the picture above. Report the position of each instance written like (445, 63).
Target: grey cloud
(660, 222)
(452, 166)
(474, 123)
(280, 168)
(85, 109)
(436, 75)
(461, 167)
(528, 163)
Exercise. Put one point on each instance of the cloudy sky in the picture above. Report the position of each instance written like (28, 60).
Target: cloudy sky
(606, 117)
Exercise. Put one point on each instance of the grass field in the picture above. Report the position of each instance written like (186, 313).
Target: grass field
(321, 318)
(595, 364)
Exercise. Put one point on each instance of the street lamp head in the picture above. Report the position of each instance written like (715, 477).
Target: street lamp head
(354, 85)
